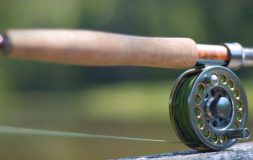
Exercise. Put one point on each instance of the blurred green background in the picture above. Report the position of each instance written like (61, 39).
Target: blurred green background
(122, 101)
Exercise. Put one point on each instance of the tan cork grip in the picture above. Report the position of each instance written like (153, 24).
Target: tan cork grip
(92, 48)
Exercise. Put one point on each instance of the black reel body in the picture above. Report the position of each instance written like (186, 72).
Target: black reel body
(208, 108)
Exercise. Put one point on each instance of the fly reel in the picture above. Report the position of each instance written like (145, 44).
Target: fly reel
(208, 108)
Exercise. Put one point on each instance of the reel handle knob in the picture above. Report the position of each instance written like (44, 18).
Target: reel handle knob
(238, 133)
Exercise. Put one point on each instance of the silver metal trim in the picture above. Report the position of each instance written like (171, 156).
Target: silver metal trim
(236, 55)
(247, 59)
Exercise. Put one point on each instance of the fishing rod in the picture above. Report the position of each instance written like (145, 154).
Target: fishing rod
(208, 104)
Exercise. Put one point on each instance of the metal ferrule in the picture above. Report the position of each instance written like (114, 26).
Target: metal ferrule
(236, 55)
(247, 59)
(239, 56)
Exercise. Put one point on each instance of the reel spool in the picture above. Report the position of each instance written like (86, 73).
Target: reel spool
(208, 108)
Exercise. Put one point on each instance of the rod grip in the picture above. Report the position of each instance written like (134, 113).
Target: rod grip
(92, 48)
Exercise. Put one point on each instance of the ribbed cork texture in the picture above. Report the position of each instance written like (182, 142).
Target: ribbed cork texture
(82, 47)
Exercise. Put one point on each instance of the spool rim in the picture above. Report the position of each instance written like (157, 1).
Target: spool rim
(224, 143)
(190, 79)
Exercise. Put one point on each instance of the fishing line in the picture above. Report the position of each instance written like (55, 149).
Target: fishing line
(179, 113)
(40, 132)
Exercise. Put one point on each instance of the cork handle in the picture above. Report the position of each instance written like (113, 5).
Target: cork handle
(82, 47)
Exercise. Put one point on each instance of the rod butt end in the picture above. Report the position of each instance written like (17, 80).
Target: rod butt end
(2, 41)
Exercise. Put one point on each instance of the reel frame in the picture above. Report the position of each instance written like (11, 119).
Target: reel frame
(208, 108)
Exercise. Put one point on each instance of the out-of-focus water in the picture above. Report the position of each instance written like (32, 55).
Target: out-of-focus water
(121, 110)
